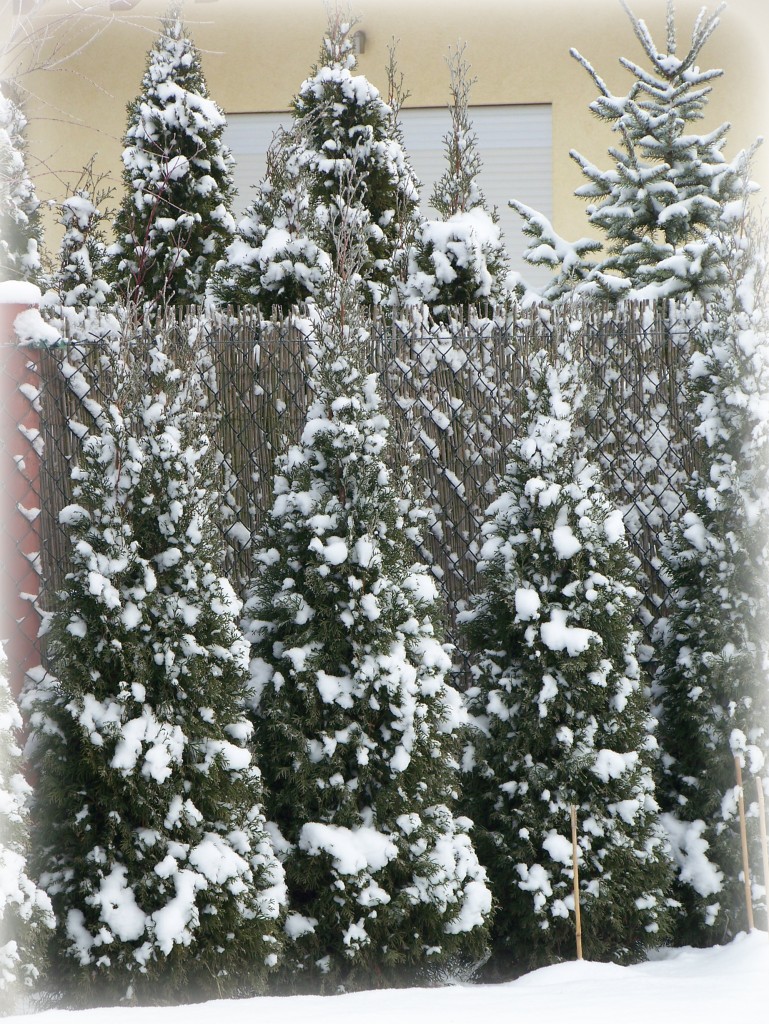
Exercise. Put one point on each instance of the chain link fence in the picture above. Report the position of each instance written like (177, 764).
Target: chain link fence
(454, 395)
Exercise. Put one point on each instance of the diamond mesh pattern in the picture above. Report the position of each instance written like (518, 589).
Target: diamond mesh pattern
(454, 396)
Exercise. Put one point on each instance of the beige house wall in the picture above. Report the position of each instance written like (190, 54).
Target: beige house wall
(257, 52)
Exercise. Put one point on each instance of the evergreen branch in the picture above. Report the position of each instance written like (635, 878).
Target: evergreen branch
(397, 94)
(671, 27)
(703, 29)
(641, 32)
(602, 86)
(653, 82)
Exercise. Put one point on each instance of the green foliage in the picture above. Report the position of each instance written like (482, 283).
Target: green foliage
(272, 263)
(459, 260)
(458, 189)
(20, 229)
(350, 700)
(25, 910)
(79, 279)
(150, 838)
(174, 220)
(354, 165)
(559, 703)
(458, 263)
(714, 647)
(670, 190)
(567, 260)
(338, 180)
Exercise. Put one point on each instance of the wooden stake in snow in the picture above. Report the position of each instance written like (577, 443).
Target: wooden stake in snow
(575, 867)
(762, 830)
(744, 840)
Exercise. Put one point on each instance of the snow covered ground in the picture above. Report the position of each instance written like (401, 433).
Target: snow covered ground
(680, 986)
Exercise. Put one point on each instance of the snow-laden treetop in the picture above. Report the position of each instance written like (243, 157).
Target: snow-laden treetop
(174, 94)
(554, 397)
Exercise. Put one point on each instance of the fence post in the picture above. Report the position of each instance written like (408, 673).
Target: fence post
(764, 849)
(744, 843)
(575, 871)
(20, 487)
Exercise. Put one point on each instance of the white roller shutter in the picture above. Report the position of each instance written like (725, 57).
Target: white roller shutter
(515, 144)
(249, 136)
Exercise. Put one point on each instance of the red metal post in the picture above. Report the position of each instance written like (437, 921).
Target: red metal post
(20, 501)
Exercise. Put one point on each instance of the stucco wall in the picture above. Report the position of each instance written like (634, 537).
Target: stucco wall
(257, 52)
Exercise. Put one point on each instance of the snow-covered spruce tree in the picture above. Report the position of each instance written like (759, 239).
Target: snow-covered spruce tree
(150, 837)
(174, 219)
(567, 260)
(25, 910)
(660, 204)
(714, 647)
(561, 708)
(350, 698)
(20, 230)
(272, 261)
(80, 277)
(459, 259)
(353, 163)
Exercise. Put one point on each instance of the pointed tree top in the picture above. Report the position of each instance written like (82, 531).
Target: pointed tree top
(667, 63)
(337, 43)
(555, 396)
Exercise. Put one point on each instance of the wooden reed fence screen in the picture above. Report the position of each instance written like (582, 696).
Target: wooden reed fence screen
(454, 397)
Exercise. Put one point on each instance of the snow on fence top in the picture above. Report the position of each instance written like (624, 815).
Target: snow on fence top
(454, 393)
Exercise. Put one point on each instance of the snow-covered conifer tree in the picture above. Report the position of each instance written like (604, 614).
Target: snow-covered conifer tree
(79, 279)
(458, 188)
(350, 698)
(25, 910)
(660, 204)
(342, 159)
(272, 261)
(20, 230)
(459, 259)
(174, 220)
(714, 647)
(548, 249)
(560, 703)
(353, 163)
(150, 836)
(408, 219)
